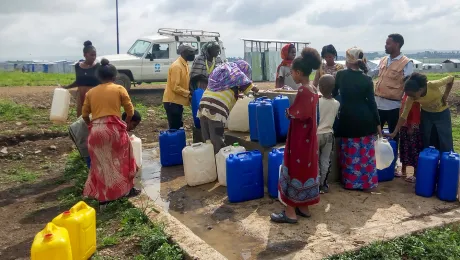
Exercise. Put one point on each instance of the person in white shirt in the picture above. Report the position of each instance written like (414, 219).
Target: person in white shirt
(328, 109)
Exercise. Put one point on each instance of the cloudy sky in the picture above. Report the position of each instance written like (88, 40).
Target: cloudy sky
(43, 28)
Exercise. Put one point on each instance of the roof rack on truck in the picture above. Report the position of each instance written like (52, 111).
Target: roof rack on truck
(188, 33)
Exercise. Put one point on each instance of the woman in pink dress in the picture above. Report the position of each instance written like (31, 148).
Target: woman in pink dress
(298, 184)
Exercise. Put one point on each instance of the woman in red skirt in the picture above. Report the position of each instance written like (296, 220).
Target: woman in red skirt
(298, 184)
(113, 166)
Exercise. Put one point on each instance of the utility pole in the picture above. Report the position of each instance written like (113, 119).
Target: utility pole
(118, 36)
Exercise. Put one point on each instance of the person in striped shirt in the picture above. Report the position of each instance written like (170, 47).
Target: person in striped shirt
(225, 85)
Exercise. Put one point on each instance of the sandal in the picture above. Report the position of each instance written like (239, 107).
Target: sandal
(133, 192)
(399, 174)
(410, 179)
(300, 213)
(282, 218)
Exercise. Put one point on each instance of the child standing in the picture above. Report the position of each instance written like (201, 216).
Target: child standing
(410, 140)
(328, 109)
(298, 183)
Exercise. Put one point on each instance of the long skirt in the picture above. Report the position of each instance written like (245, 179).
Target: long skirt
(113, 166)
(358, 166)
(410, 145)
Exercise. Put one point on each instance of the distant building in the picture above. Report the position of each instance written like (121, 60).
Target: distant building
(451, 65)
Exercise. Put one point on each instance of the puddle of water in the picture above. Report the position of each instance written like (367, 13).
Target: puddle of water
(199, 208)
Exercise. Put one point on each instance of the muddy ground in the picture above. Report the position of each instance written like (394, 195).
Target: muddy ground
(33, 153)
(32, 159)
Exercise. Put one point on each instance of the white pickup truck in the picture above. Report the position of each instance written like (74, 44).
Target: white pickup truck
(149, 58)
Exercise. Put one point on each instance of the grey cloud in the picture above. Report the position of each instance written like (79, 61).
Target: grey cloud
(43, 6)
(377, 13)
(254, 12)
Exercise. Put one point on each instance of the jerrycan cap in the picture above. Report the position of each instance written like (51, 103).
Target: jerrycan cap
(236, 144)
(48, 236)
(66, 213)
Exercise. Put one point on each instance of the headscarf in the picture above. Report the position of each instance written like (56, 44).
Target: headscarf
(352, 55)
(229, 75)
(284, 56)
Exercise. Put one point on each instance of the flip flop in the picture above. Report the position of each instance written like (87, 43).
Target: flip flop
(300, 213)
(410, 179)
(133, 193)
(282, 218)
(399, 174)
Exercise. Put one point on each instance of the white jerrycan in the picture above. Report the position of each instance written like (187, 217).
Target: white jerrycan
(221, 161)
(199, 163)
(136, 143)
(60, 106)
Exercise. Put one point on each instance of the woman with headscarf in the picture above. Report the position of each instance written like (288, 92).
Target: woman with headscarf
(204, 64)
(359, 123)
(283, 72)
(85, 73)
(226, 83)
(329, 54)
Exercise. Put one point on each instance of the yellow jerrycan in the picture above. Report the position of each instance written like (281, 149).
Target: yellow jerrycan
(80, 222)
(52, 243)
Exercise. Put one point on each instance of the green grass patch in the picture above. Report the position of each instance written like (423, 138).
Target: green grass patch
(11, 111)
(438, 243)
(21, 175)
(456, 131)
(120, 222)
(436, 76)
(16, 78)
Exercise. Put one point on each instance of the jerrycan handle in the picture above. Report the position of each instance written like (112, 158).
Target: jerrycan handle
(197, 144)
(49, 230)
(243, 155)
(281, 150)
(79, 206)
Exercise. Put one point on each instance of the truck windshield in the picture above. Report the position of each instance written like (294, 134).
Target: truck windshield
(139, 48)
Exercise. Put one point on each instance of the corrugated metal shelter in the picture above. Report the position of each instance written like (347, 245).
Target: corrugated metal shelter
(264, 56)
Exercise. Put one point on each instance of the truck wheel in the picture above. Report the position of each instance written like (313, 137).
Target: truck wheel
(124, 80)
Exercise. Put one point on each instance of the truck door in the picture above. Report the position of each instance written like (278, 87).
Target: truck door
(156, 63)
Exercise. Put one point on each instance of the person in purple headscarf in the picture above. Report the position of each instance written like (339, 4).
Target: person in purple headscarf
(225, 84)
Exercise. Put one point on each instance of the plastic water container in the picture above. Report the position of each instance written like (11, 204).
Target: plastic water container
(171, 144)
(384, 154)
(266, 124)
(245, 177)
(280, 104)
(60, 106)
(252, 114)
(427, 167)
(388, 174)
(448, 176)
(80, 222)
(238, 120)
(136, 143)
(196, 98)
(52, 243)
(221, 161)
(275, 159)
(199, 163)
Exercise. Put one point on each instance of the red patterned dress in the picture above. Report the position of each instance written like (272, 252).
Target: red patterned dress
(298, 183)
(113, 166)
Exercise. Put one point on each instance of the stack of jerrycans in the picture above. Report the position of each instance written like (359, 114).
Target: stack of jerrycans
(80, 224)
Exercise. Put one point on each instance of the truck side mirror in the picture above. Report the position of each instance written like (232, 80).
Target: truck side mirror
(149, 56)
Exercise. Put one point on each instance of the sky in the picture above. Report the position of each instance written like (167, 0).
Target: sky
(34, 29)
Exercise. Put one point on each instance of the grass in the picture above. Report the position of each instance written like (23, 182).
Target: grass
(11, 111)
(120, 225)
(16, 78)
(438, 243)
(21, 175)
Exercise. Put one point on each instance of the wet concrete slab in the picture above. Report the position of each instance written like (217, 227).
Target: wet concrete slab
(343, 220)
